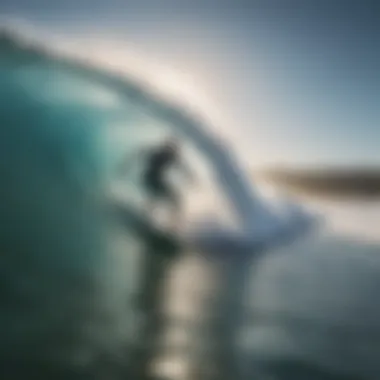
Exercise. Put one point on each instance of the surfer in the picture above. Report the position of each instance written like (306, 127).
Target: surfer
(158, 161)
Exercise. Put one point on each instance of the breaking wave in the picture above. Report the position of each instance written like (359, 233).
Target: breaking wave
(65, 126)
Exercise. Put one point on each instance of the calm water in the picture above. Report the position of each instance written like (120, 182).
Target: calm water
(316, 303)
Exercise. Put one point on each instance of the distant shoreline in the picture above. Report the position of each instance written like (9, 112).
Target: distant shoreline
(332, 183)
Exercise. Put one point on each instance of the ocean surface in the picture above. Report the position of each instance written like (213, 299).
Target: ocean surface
(70, 273)
(311, 307)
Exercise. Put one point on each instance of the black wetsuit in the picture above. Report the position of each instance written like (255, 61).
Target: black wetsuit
(154, 177)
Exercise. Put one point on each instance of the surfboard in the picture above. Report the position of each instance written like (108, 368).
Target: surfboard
(160, 239)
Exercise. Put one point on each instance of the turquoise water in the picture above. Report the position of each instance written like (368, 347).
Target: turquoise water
(67, 282)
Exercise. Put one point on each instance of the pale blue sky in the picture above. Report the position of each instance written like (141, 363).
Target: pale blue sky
(295, 82)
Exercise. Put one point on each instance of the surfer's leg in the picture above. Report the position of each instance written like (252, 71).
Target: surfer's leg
(152, 190)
